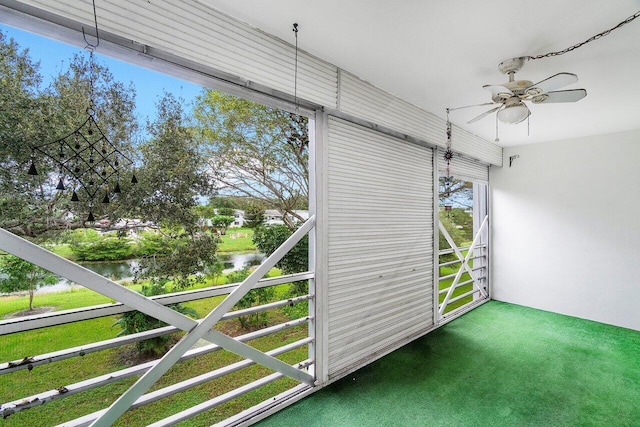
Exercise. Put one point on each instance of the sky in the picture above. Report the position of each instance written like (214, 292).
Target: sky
(54, 57)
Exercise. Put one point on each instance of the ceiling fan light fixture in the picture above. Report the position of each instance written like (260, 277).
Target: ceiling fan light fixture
(514, 113)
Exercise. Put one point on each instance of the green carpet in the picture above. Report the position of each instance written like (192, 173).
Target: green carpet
(498, 365)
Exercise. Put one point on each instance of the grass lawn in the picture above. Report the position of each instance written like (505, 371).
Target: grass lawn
(63, 250)
(237, 240)
(444, 284)
(46, 377)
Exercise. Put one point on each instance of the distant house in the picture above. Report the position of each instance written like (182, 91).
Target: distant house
(238, 218)
(274, 217)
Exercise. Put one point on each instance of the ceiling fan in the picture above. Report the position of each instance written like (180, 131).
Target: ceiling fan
(511, 95)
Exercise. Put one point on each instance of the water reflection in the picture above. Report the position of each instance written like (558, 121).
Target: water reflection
(123, 270)
(235, 262)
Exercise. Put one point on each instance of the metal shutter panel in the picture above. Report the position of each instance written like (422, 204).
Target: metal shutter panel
(380, 244)
(201, 34)
(366, 101)
(463, 168)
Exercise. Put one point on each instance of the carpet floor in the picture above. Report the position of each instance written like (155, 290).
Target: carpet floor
(498, 365)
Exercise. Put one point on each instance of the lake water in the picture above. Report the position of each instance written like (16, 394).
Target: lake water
(123, 270)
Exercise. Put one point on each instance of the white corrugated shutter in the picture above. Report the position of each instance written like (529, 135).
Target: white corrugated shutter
(366, 101)
(201, 34)
(380, 244)
(463, 168)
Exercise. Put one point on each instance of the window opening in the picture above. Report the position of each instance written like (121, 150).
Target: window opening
(463, 248)
(218, 176)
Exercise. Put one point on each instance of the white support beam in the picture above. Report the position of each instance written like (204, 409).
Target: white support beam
(41, 359)
(41, 257)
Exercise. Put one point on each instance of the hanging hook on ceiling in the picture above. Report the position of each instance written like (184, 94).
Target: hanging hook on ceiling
(91, 46)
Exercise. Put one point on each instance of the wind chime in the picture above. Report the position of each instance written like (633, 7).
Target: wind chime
(86, 160)
(448, 155)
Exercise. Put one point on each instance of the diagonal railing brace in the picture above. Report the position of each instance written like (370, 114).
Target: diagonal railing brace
(124, 402)
(78, 274)
(464, 260)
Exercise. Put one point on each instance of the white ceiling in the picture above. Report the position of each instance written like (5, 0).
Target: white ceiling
(439, 54)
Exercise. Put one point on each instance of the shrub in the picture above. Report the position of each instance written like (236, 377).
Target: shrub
(268, 239)
(252, 298)
(93, 246)
(135, 321)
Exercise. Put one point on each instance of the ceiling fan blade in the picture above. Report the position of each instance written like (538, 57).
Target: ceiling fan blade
(554, 82)
(571, 95)
(499, 91)
(486, 113)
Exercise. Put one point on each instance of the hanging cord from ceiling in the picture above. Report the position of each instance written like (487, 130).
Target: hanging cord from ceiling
(85, 158)
(295, 77)
(590, 39)
(90, 46)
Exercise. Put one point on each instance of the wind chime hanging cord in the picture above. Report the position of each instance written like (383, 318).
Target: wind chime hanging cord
(88, 158)
(295, 75)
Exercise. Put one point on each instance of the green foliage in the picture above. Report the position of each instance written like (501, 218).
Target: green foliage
(226, 211)
(29, 205)
(459, 224)
(214, 272)
(177, 256)
(217, 202)
(222, 222)
(252, 298)
(255, 151)
(204, 211)
(154, 243)
(173, 175)
(89, 245)
(170, 183)
(17, 275)
(268, 239)
(254, 215)
(135, 321)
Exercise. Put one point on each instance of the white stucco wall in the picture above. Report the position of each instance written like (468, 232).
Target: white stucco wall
(566, 228)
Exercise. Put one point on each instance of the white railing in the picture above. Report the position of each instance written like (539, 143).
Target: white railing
(476, 252)
(149, 372)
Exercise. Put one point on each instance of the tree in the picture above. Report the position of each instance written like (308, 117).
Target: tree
(30, 205)
(456, 193)
(17, 274)
(171, 179)
(256, 151)
(222, 222)
(254, 215)
(268, 239)
(89, 245)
